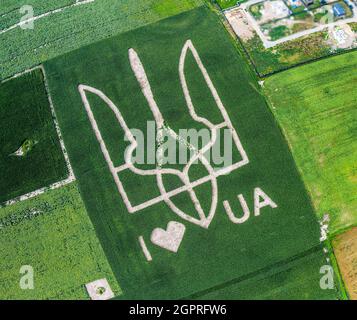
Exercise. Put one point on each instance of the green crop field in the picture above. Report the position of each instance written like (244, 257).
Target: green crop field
(316, 107)
(225, 249)
(74, 27)
(298, 279)
(53, 234)
(26, 125)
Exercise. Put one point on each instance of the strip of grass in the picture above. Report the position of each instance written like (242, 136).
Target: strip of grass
(26, 119)
(73, 28)
(255, 10)
(296, 280)
(53, 234)
(316, 106)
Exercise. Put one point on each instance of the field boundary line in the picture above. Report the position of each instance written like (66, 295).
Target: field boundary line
(71, 177)
(76, 4)
(271, 43)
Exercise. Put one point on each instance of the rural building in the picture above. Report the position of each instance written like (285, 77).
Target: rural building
(308, 2)
(338, 10)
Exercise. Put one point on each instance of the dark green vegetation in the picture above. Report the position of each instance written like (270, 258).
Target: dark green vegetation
(27, 126)
(207, 257)
(75, 27)
(53, 234)
(225, 4)
(302, 16)
(316, 106)
(297, 9)
(320, 15)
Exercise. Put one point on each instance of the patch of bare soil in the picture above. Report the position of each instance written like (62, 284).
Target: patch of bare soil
(345, 247)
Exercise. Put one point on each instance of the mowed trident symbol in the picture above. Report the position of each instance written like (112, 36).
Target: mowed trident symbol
(200, 218)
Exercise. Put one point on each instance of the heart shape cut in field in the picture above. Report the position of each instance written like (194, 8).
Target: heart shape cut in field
(169, 239)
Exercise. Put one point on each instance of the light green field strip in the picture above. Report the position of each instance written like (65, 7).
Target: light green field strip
(78, 26)
(54, 235)
(316, 107)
